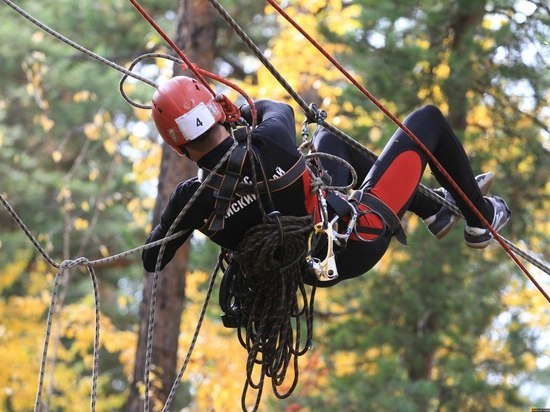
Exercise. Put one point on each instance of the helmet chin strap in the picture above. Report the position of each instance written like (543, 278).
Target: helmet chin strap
(184, 151)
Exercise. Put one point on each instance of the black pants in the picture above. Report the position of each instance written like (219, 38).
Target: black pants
(394, 178)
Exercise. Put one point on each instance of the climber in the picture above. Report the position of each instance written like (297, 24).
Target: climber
(192, 121)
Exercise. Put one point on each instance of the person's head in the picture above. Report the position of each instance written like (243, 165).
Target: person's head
(187, 115)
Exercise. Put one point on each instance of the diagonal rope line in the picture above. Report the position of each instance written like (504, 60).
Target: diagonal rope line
(153, 303)
(27, 232)
(81, 261)
(76, 46)
(202, 315)
(173, 45)
(529, 257)
(49, 320)
(275, 73)
(197, 71)
(415, 139)
(47, 337)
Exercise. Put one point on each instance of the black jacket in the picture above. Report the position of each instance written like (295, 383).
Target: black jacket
(274, 140)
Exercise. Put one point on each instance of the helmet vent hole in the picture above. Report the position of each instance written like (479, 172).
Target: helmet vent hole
(158, 108)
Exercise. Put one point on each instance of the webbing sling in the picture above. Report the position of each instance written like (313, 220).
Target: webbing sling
(276, 184)
(390, 219)
(226, 192)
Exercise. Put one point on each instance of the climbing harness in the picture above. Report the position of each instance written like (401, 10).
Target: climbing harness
(412, 136)
(234, 265)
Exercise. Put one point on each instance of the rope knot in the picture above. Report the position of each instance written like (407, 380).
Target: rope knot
(81, 261)
(232, 112)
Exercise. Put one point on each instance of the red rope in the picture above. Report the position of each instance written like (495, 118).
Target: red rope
(173, 45)
(250, 102)
(197, 71)
(415, 139)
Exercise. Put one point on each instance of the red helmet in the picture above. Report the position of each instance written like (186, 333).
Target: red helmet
(184, 109)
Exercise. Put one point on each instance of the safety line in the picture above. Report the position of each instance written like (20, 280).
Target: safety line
(197, 71)
(173, 45)
(76, 46)
(202, 315)
(411, 135)
(545, 267)
(49, 321)
(153, 302)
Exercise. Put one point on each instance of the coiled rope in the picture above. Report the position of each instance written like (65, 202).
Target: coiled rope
(89, 264)
(273, 302)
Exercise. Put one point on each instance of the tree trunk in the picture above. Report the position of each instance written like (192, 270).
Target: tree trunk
(196, 36)
(469, 16)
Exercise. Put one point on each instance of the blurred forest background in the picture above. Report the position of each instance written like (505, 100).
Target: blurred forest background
(434, 327)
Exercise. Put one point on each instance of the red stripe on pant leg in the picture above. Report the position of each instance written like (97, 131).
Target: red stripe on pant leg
(399, 181)
(311, 201)
(368, 220)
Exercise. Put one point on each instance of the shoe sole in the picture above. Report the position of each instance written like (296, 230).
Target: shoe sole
(443, 232)
(484, 183)
(483, 245)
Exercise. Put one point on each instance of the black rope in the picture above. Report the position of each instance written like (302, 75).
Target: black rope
(310, 114)
(271, 302)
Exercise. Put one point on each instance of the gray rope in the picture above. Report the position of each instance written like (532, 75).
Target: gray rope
(310, 113)
(202, 315)
(81, 261)
(51, 311)
(528, 256)
(76, 46)
(317, 183)
(27, 232)
(46, 343)
(152, 306)
(136, 61)
(95, 370)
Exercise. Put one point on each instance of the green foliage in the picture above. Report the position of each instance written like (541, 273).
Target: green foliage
(422, 327)
(432, 328)
(65, 169)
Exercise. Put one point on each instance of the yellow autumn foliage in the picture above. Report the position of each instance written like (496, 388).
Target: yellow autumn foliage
(13, 270)
(216, 371)
(146, 168)
(110, 146)
(92, 131)
(81, 224)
